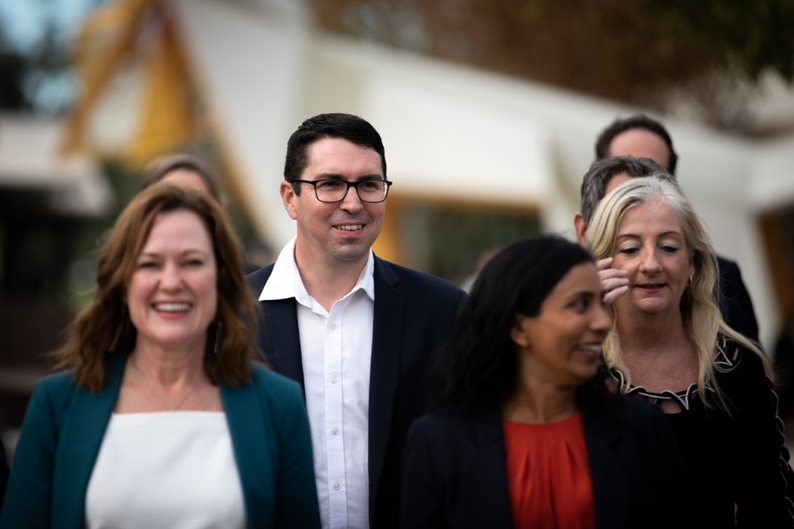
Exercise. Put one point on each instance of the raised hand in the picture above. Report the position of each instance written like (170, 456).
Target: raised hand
(613, 280)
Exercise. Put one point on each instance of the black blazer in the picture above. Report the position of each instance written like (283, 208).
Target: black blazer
(454, 469)
(734, 300)
(413, 316)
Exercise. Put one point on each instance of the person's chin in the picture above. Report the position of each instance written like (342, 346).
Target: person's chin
(352, 252)
(654, 306)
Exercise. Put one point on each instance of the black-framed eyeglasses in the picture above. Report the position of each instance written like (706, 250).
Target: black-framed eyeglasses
(330, 191)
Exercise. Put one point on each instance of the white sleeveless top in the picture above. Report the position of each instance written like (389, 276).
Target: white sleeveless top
(173, 470)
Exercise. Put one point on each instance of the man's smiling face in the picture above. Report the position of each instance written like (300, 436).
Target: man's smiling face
(341, 231)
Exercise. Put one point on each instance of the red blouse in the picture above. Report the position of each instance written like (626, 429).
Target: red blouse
(548, 475)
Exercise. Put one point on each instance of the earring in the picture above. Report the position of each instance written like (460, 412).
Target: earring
(218, 338)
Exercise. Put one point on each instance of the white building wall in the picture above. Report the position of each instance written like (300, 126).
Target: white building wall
(457, 132)
(249, 60)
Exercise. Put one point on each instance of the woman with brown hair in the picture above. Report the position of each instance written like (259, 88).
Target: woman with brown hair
(160, 418)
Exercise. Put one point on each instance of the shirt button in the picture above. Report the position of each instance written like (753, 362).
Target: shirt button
(334, 431)
(337, 486)
(333, 379)
(332, 326)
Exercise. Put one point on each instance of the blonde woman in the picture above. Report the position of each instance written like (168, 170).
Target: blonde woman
(669, 345)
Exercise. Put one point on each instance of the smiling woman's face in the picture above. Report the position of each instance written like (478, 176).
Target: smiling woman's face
(651, 248)
(172, 295)
(562, 344)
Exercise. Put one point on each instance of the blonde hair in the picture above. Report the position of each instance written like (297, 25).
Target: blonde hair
(703, 322)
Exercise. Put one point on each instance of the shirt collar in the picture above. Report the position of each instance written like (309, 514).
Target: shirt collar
(285, 280)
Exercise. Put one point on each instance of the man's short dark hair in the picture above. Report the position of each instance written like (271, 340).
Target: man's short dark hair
(334, 125)
(637, 121)
(595, 180)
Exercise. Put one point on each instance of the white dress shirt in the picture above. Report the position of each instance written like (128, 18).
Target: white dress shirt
(336, 350)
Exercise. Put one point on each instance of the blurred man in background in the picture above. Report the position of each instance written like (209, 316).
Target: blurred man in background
(643, 137)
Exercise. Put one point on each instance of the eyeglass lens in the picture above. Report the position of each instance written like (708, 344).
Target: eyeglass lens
(336, 190)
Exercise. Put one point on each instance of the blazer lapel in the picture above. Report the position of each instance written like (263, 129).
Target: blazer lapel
(250, 443)
(280, 338)
(602, 432)
(80, 439)
(384, 367)
(489, 467)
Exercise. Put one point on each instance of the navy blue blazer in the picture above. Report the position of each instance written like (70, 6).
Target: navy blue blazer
(64, 427)
(413, 316)
(455, 477)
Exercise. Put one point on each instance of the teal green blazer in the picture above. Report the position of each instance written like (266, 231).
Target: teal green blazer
(64, 427)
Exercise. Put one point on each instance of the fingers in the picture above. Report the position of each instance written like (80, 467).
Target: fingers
(603, 264)
(612, 295)
(618, 277)
(613, 281)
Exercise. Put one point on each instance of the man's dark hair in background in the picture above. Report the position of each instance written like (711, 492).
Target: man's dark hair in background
(633, 123)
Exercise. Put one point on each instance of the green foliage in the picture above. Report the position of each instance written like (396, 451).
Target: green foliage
(749, 36)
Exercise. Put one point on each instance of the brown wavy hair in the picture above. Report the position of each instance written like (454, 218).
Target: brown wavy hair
(104, 328)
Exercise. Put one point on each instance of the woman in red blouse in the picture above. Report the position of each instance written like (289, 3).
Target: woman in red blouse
(525, 434)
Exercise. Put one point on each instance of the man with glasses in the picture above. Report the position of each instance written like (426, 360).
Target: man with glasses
(356, 331)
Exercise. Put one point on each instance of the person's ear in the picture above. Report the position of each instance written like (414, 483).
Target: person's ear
(519, 333)
(580, 227)
(288, 197)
